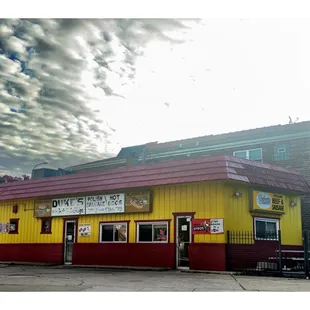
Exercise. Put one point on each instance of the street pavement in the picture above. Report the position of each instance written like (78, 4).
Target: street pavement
(14, 278)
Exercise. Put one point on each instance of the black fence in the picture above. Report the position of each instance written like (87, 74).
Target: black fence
(265, 254)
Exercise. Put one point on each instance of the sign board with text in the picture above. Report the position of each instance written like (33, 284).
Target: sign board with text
(105, 204)
(207, 226)
(68, 206)
(268, 202)
(84, 230)
(133, 202)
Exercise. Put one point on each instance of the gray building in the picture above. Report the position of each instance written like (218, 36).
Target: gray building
(283, 145)
(48, 172)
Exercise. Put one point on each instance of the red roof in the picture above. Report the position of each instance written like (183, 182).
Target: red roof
(209, 168)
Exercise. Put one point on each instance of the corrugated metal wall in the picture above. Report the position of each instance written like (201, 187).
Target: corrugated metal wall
(203, 198)
(238, 217)
(29, 230)
(208, 200)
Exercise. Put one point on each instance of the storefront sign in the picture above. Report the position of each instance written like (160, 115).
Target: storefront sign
(268, 202)
(42, 209)
(99, 204)
(207, 226)
(137, 202)
(105, 204)
(4, 228)
(84, 230)
(68, 206)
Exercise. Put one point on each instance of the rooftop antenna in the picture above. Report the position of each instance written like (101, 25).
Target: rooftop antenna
(293, 122)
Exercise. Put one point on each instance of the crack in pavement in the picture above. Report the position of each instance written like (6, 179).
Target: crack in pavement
(243, 288)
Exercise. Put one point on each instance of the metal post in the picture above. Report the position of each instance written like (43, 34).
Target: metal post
(306, 252)
(280, 251)
(227, 251)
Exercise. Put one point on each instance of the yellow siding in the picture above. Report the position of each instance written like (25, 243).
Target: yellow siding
(29, 230)
(238, 217)
(206, 199)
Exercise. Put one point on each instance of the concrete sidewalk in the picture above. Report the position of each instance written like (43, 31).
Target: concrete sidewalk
(49, 278)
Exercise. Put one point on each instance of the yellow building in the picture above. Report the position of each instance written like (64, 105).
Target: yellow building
(170, 215)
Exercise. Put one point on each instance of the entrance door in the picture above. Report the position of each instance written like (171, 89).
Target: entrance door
(69, 239)
(183, 239)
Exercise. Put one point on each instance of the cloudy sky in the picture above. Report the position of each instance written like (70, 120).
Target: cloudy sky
(73, 91)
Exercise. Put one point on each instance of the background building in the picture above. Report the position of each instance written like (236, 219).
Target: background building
(283, 145)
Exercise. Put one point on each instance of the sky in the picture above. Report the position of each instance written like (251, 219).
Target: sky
(73, 91)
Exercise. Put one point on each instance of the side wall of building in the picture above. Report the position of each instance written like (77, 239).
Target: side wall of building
(239, 217)
(203, 200)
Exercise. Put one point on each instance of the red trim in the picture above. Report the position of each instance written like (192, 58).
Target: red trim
(152, 221)
(160, 255)
(200, 257)
(163, 220)
(111, 222)
(108, 222)
(51, 253)
(17, 224)
(176, 214)
(50, 225)
(184, 214)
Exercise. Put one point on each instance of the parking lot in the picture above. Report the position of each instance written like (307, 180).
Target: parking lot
(15, 278)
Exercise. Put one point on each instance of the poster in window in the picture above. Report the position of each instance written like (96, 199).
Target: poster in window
(160, 233)
(138, 202)
(207, 226)
(4, 228)
(120, 232)
(84, 230)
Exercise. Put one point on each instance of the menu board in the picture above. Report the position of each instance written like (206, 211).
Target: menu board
(105, 204)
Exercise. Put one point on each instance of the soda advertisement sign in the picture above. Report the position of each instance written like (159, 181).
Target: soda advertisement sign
(207, 226)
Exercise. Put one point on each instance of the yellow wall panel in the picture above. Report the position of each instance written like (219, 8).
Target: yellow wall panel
(239, 218)
(206, 199)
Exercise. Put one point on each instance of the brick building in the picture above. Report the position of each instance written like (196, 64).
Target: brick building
(283, 145)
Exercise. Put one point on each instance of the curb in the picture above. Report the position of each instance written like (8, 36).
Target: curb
(57, 266)
(128, 268)
(228, 273)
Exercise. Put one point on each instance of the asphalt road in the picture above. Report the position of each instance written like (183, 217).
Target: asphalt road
(58, 279)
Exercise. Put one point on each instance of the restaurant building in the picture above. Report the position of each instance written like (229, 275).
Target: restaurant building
(166, 215)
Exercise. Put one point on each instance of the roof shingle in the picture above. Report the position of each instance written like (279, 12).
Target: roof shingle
(209, 168)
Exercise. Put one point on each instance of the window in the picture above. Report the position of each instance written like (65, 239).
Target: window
(14, 226)
(255, 154)
(113, 232)
(266, 228)
(46, 226)
(152, 232)
(281, 152)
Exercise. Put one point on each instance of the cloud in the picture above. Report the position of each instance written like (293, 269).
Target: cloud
(53, 76)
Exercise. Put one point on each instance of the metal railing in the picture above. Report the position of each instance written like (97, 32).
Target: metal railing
(265, 254)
